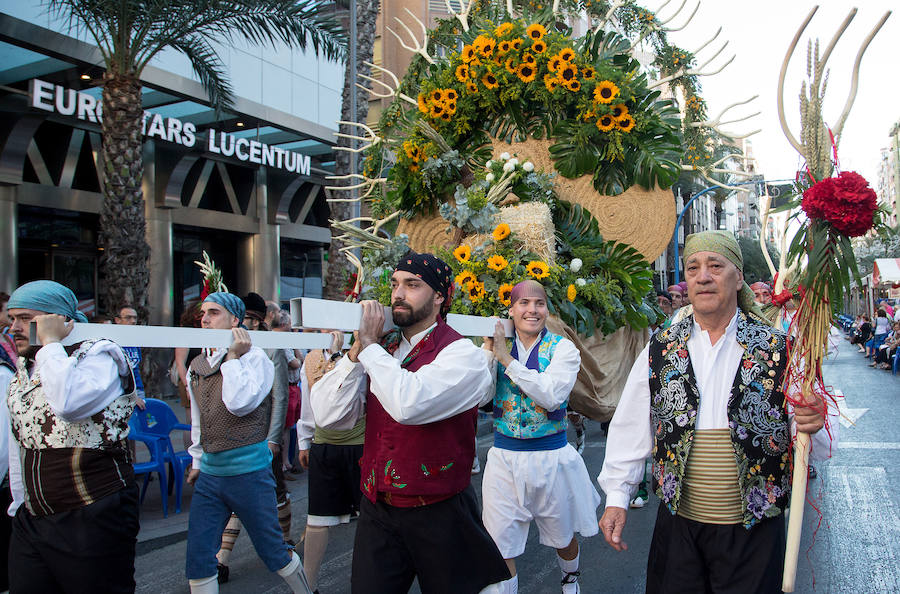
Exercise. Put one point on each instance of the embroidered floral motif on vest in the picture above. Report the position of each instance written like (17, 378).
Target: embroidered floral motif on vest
(757, 417)
(515, 414)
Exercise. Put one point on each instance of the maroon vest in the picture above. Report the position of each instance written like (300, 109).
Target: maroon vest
(411, 465)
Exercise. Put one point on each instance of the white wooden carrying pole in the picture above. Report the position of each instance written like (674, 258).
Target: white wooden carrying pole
(307, 312)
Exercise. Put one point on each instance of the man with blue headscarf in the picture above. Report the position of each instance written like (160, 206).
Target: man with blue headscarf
(74, 496)
(230, 414)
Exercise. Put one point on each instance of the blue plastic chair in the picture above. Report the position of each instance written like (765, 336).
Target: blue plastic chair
(157, 462)
(159, 420)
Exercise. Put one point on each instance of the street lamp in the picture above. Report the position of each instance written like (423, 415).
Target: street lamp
(691, 201)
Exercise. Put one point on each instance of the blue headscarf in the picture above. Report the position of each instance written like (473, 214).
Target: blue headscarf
(231, 302)
(47, 296)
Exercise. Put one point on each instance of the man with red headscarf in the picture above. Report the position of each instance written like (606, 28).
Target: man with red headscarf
(677, 296)
(419, 387)
(762, 293)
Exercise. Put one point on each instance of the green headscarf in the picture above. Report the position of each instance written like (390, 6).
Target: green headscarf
(724, 244)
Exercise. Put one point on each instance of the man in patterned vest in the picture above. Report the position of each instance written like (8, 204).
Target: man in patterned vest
(419, 387)
(232, 462)
(704, 400)
(532, 472)
(74, 496)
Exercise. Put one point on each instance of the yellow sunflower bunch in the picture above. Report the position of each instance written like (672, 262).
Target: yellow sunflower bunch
(609, 109)
(565, 72)
(414, 153)
(439, 104)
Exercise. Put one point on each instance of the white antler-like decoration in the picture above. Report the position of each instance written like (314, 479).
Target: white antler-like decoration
(509, 9)
(393, 91)
(706, 172)
(686, 23)
(369, 183)
(417, 47)
(707, 42)
(781, 76)
(716, 122)
(371, 138)
(698, 71)
(463, 15)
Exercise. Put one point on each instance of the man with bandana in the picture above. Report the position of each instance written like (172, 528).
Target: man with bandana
(704, 399)
(532, 472)
(762, 293)
(74, 496)
(419, 387)
(230, 414)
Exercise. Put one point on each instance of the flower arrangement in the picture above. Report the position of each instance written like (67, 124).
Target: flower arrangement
(846, 202)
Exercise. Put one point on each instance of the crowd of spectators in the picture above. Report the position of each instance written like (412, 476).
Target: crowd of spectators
(878, 338)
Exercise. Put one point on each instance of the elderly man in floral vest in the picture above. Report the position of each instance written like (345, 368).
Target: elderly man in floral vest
(704, 400)
(419, 387)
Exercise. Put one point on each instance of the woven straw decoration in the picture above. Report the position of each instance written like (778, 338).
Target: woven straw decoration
(641, 218)
(426, 233)
(531, 223)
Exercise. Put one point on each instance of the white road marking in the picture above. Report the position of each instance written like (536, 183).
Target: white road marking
(849, 416)
(868, 445)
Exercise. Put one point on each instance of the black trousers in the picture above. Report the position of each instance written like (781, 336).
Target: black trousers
(693, 557)
(444, 544)
(86, 550)
(5, 530)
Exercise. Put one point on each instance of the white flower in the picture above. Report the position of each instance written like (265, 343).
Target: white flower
(514, 161)
(575, 265)
(580, 282)
(528, 166)
(489, 177)
(505, 156)
(489, 164)
(509, 166)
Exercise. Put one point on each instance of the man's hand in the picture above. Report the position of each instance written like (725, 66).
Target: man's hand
(275, 449)
(808, 418)
(337, 341)
(52, 328)
(611, 525)
(371, 326)
(303, 458)
(354, 351)
(240, 344)
(501, 352)
(192, 476)
(140, 403)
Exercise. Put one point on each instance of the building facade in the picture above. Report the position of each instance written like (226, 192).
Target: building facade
(888, 184)
(245, 186)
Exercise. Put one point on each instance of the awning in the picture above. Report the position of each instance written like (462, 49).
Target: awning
(886, 271)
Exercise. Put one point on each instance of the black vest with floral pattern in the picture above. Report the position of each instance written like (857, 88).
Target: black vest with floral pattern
(757, 416)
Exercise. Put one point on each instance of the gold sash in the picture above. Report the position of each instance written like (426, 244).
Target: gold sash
(710, 492)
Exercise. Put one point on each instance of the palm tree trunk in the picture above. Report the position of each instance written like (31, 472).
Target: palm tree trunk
(126, 255)
(366, 14)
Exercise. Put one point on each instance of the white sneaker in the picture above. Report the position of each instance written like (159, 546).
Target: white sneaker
(570, 583)
(638, 502)
(476, 466)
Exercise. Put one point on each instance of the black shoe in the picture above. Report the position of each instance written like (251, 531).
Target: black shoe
(223, 573)
(812, 472)
(571, 577)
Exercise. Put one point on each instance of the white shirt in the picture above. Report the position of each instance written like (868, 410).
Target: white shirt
(74, 389)
(457, 380)
(549, 389)
(246, 382)
(306, 425)
(631, 435)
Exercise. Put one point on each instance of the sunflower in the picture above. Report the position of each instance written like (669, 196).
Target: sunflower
(420, 101)
(526, 72)
(414, 167)
(490, 81)
(503, 29)
(465, 277)
(504, 47)
(476, 290)
(497, 262)
(509, 66)
(551, 82)
(571, 293)
(589, 115)
(625, 123)
(588, 73)
(450, 94)
(567, 72)
(463, 253)
(437, 95)
(411, 150)
(539, 47)
(619, 110)
(446, 116)
(467, 53)
(567, 54)
(450, 106)
(573, 85)
(485, 46)
(605, 91)
(554, 63)
(503, 294)
(471, 87)
(538, 269)
(528, 58)
(501, 232)
(606, 123)
(462, 72)
(535, 31)
(436, 110)
(516, 44)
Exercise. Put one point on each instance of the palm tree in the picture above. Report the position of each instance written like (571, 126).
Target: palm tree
(129, 34)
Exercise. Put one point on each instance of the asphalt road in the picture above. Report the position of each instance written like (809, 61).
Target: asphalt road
(854, 548)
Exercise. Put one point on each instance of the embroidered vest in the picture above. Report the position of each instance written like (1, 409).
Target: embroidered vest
(515, 414)
(420, 464)
(757, 417)
(67, 465)
(220, 430)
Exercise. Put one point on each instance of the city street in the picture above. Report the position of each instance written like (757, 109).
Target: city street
(856, 548)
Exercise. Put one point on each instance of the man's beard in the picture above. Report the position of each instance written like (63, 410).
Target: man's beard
(407, 318)
(28, 352)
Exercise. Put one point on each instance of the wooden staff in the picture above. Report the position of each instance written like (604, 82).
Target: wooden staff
(795, 519)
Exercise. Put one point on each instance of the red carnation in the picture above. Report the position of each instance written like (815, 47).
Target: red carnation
(845, 201)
